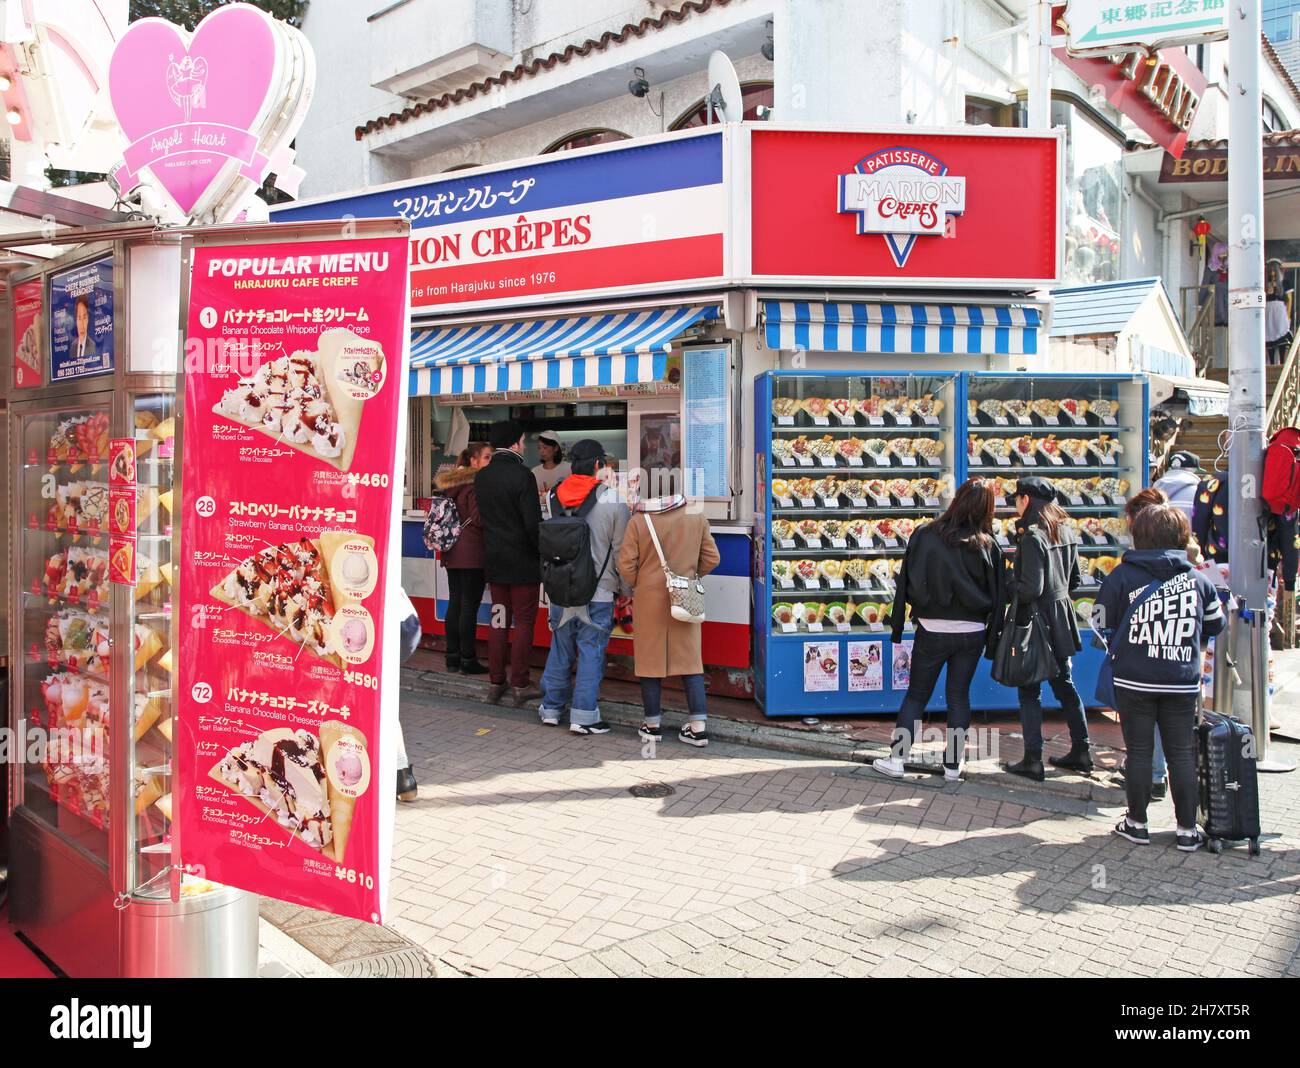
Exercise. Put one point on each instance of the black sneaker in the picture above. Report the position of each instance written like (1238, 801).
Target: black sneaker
(472, 667)
(1159, 790)
(699, 739)
(590, 728)
(1140, 835)
(407, 788)
(1190, 841)
(648, 733)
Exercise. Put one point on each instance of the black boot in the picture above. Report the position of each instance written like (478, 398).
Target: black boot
(472, 667)
(453, 662)
(406, 785)
(1079, 758)
(1031, 767)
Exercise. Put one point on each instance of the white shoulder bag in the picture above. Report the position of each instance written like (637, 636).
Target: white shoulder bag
(685, 596)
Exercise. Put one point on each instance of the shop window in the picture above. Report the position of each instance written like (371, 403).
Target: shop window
(988, 113)
(1093, 177)
(1273, 120)
(585, 139)
(753, 95)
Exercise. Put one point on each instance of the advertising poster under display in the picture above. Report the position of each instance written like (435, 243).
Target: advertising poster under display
(81, 320)
(27, 325)
(292, 412)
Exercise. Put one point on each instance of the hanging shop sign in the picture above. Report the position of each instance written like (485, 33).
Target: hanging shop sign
(633, 219)
(902, 193)
(208, 115)
(293, 398)
(1160, 91)
(28, 306)
(979, 208)
(81, 320)
(1106, 26)
(1281, 164)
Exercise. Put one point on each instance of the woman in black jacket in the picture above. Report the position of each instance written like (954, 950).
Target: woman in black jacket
(1045, 574)
(953, 577)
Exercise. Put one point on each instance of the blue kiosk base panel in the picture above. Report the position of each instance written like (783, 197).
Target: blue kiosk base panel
(864, 674)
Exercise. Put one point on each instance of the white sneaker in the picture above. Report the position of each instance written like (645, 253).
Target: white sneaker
(953, 774)
(891, 766)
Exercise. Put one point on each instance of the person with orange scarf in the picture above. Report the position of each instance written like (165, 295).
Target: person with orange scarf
(575, 665)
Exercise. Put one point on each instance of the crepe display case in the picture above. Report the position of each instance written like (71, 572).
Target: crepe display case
(850, 466)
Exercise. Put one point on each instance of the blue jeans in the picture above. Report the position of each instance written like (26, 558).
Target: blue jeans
(652, 692)
(580, 642)
(1031, 710)
(1158, 766)
(930, 652)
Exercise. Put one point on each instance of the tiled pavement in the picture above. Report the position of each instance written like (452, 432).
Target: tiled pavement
(526, 854)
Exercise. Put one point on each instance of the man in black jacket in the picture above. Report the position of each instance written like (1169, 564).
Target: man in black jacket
(511, 512)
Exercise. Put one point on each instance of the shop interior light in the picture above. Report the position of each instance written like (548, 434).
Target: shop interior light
(14, 116)
(5, 83)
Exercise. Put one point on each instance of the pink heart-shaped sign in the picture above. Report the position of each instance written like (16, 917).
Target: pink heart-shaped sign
(188, 106)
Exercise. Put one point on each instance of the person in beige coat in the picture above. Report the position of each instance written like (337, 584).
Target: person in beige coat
(663, 646)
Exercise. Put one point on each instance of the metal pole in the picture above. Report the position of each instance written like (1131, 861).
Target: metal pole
(1040, 65)
(1246, 377)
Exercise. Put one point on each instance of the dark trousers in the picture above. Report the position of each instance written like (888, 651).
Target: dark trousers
(697, 702)
(930, 653)
(1031, 710)
(512, 606)
(1175, 713)
(465, 593)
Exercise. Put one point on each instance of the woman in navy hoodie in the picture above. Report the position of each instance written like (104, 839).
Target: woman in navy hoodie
(1159, 612)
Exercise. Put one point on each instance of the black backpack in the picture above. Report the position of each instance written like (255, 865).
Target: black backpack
(569, 574)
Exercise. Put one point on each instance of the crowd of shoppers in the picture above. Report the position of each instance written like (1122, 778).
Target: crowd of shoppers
(1153, 614)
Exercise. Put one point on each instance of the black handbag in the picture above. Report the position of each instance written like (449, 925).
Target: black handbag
(1024, 653)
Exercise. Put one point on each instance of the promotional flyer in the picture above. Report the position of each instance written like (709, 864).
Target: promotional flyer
(27, 322)
(293, 400)
(81, 320)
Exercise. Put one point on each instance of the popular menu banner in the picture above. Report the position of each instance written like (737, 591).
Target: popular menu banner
(28, 306)
(293, 398)
(81, 320)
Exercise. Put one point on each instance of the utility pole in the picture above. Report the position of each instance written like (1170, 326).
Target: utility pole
(1040, 65)
(1247, 404)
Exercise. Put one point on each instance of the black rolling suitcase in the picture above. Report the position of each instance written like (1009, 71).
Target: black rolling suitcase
(1229, 788)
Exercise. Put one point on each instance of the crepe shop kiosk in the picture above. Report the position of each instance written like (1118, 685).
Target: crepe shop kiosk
(98, 881)
(829, 327)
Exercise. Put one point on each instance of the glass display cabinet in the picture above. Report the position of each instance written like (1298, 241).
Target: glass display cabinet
(850, 465)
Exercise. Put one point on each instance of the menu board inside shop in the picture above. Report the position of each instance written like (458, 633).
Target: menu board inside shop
(293, 396)
(81, 320)
(706, 372)
(27, 325)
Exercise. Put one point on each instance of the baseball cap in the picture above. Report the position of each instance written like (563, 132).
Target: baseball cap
(1184, 460)
(548, 436)
(1033, 486)
(586, 450)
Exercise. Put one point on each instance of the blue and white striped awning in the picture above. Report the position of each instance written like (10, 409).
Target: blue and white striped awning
(613, 348)
(918, 329)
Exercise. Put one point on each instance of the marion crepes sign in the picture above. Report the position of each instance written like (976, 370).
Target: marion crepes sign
(914, 207)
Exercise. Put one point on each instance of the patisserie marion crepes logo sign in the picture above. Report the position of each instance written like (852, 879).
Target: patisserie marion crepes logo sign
(902, 193)
(207, 116)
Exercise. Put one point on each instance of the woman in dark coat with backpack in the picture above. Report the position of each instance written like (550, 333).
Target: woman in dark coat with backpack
(464, 560)
(1045, 574)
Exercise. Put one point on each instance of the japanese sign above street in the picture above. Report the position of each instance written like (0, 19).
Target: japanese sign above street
(902, 193)
(1099, 27)
(627, 218)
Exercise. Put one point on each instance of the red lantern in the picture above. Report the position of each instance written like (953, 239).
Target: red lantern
(1201, 231)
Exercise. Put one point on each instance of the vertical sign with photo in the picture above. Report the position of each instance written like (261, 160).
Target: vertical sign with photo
(81, 320)
(901, 666)
(28, 319)
(294, 402)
